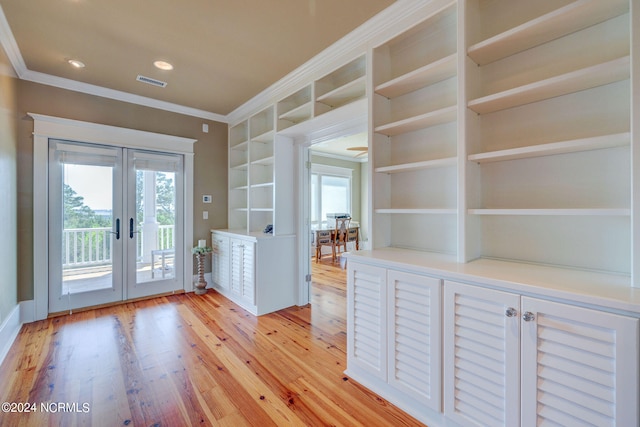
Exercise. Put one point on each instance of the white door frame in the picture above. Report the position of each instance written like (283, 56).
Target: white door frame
(49, 127)
(315, 133)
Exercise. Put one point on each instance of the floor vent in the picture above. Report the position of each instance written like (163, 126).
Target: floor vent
(151, 81)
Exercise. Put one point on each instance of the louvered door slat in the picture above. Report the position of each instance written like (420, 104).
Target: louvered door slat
(600, 375)
(366, 319)
(248, 276)
(573, 361)
(414, 336)
(481, 349)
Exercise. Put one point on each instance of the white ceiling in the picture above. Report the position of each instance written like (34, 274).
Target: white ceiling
(346, 147)
(224, 52)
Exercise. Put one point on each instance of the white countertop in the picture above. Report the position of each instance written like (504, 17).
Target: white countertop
(609, 291)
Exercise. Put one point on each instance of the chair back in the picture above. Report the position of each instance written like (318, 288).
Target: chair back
(342, 228)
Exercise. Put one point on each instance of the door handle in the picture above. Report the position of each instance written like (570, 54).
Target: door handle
(117, 232)
(131, 232)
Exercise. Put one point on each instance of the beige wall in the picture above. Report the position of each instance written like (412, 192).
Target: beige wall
(210, 165)
(8, 188)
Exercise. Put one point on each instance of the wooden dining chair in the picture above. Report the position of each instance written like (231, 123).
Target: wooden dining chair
(341, 235)
(324, 239)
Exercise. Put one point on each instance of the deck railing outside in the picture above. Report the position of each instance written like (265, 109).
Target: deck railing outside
(84, 247)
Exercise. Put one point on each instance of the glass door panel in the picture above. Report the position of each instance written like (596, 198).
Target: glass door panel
(85, 245)
(154, 233)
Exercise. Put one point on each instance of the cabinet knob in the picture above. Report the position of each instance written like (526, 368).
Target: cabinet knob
(528, 316)
(511, 312)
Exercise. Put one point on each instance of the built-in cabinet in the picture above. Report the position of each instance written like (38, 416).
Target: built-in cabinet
(248, 268)
(510, 358)
(394, 332)
(504, 176)
(497, 358)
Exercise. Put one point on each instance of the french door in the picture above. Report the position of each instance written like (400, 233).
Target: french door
(115, 221)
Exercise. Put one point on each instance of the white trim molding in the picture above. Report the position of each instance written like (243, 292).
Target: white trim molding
(48, 127)
(9, 330)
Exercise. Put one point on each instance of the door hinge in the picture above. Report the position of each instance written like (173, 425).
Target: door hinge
(308, 278)
(307, 165)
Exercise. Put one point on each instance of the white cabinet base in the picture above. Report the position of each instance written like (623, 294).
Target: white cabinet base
(261, 277)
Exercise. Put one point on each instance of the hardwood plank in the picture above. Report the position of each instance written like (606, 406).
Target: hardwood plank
(195, 360)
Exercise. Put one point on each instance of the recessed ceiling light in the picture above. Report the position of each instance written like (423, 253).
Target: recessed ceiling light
(75, 63)
(163, 65)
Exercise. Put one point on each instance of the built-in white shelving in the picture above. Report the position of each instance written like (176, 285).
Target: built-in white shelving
(427, 164)
(548, 27)
(575, 81)
(548, 151)
(562, 147)
(410, 124)
(414, 135)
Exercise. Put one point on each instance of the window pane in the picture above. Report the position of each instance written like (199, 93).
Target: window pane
(335, 195)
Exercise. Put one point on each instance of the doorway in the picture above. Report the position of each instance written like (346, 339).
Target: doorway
(114, 224)
(337, 168)
(141, 148)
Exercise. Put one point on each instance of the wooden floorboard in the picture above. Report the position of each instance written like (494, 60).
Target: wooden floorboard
(189, 360)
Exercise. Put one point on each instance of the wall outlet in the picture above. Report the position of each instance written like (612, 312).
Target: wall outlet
(205, 214)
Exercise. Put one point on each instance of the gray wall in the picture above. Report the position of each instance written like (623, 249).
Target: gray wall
(210, 165)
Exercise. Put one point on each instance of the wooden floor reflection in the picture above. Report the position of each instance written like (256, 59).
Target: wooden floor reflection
(194, 360)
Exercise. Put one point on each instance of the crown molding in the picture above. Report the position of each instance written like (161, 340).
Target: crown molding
(374, 31)
(117, 95)
(10, 46)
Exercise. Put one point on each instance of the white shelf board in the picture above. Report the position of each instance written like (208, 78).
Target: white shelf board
(434, 72)
(427, 164)
(558, 23)
(240, 167)
(264, 137)
(264, 161)
(575, 81)
(261, 209)
(298, 114)
(553, 212)
(241, 187)
(243, 146)
(262, 185)
(442, 211)
(562, 147)
(432, 118)
(339, 96)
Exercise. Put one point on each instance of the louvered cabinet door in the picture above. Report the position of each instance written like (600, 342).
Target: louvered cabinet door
(236, 266)
(366, 319)
(248, 272)
(220, 260)
(481, 356)
(414, 336)
(579, 366)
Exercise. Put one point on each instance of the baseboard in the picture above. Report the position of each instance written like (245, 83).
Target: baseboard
(9, 331)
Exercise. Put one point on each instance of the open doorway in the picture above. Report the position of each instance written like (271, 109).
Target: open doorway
(338, 179)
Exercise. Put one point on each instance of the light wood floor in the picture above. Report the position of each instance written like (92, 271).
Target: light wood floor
(194, 360)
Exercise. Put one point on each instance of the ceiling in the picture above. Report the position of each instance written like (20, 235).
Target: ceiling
(223, 52)
(351, 147)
